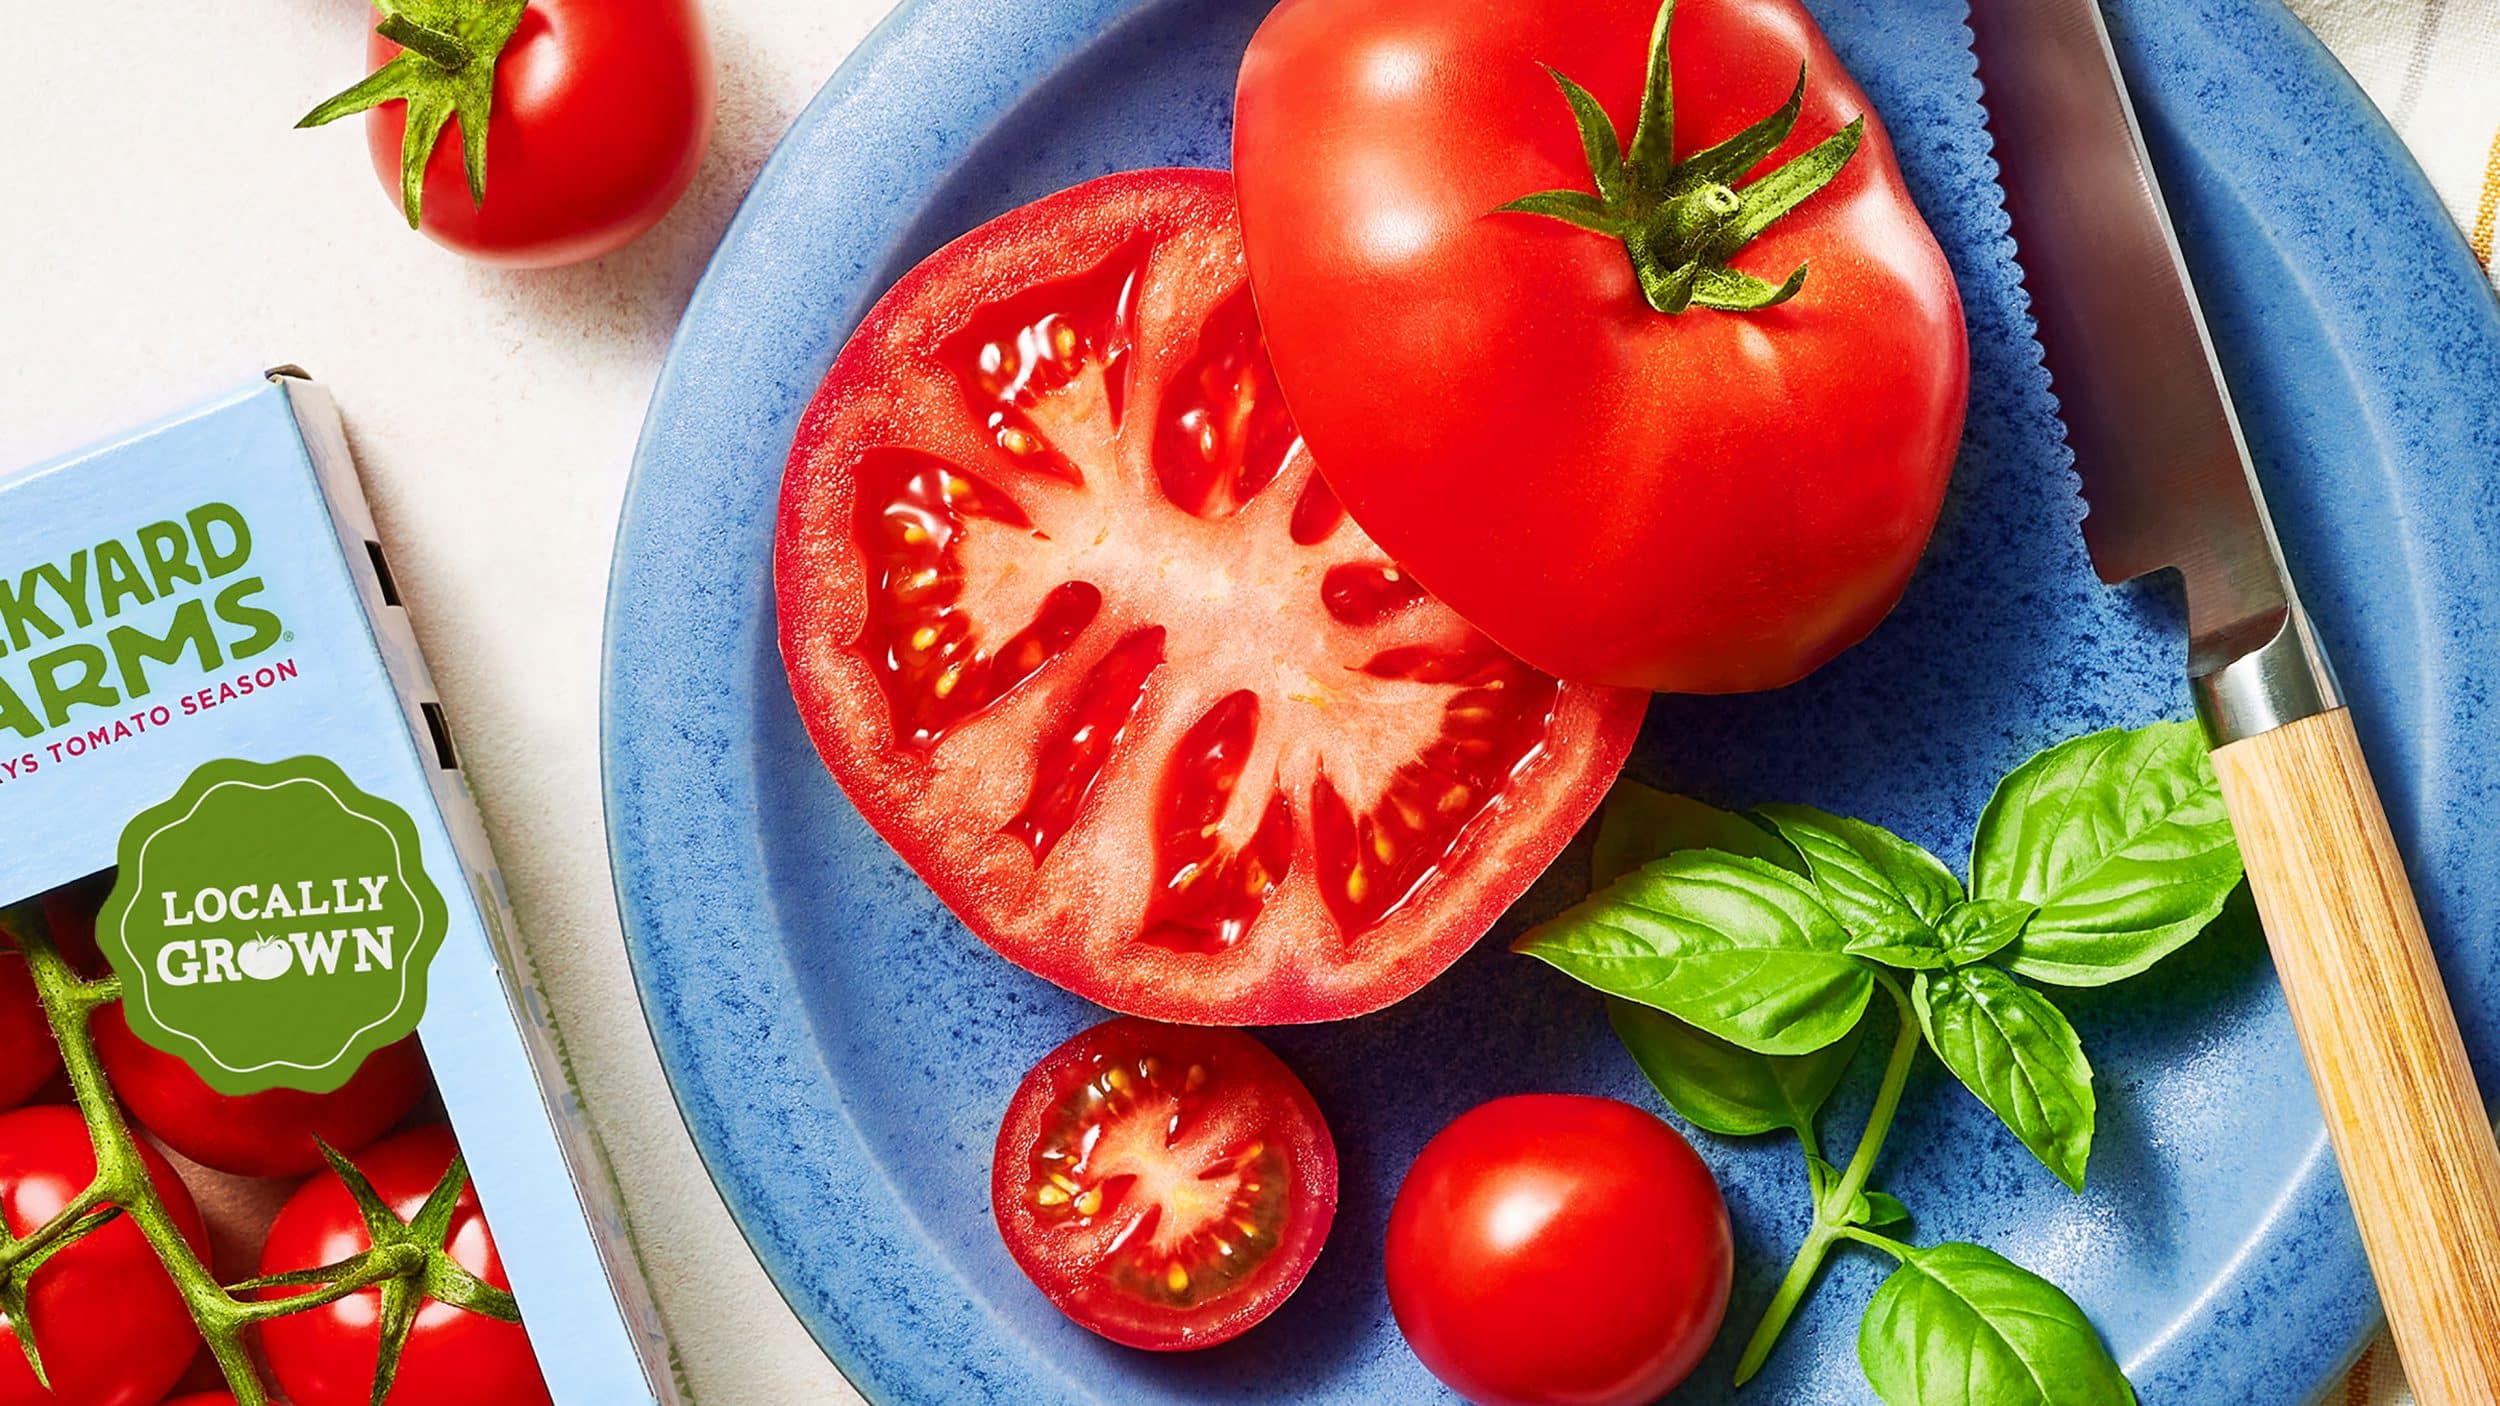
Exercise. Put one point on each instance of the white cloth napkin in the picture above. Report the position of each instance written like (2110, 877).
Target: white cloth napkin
(2433, 66)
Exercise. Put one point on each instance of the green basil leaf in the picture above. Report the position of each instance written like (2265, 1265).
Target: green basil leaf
(2121, 839)
(1741, 948)
(2008, 1045)
(1958, 1325)
(1642, 823)
(1881, 1209)
(1982, 927)
(1902, 942)
(1728, 1089)
(1867, 1208)
(1869, 875)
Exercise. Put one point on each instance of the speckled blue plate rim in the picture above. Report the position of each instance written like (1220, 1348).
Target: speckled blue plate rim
(665, 761)
(732, 1039)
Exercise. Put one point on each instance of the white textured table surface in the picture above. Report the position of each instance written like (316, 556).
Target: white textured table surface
(165, 235)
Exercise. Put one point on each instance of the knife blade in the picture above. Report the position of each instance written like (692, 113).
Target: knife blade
(2157, 443)
(2168, 481)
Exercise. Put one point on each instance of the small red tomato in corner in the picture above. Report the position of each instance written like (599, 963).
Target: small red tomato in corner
(600, 113)
(453, 1357)
(112, 1329)
(1665, 394)
(28, 1058)
(258, 1135)
(1558, 1250)
(1166, 1186)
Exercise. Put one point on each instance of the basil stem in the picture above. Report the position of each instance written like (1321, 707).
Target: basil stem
(1832, 1209)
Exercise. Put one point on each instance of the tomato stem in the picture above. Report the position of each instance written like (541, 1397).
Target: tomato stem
(1681, 221)
(1831, 1211)
(123, 1187)
(440, 45)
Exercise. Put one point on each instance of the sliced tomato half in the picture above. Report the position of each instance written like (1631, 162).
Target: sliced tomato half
(1166, 1186)
(1082, 634)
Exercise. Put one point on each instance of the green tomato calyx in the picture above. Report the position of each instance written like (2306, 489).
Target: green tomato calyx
(1681, 221)
(445, 70)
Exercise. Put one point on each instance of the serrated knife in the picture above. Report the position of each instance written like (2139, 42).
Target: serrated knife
(2169, 484)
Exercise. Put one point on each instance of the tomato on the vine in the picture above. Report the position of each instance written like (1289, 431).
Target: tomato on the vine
(1080, 632)
(268, 1134)
(453, 1357)
(1558, 1250)
(28, 1057)
(600, 113)
(1667, 403)
(111, 1327)
(1166, 1186)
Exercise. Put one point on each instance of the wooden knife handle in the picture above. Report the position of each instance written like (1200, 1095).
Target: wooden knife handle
(2409, 1127)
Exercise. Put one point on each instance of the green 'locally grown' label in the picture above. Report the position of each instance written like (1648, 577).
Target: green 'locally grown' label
(272, 925)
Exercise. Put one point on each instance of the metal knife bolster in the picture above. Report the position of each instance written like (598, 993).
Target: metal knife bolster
(2284, 680)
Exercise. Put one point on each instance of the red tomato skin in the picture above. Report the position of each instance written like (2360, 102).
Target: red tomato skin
(28, 1057)
(202, 1398)
(1559, 1250)
(259, 1135)
(603, 109)
(1703, 503)
(454, 1358)
(112, 1327)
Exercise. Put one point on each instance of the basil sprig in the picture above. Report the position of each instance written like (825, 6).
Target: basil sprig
(1743, 951)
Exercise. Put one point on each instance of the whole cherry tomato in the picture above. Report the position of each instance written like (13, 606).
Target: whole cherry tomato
(258, 1135)
(1555, 1250)
(28, 1058)
(601, 112)
(1610, 428)
(112, 1329)
(327, 1357)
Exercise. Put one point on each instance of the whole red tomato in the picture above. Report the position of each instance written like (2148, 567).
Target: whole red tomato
(28, 1057)
(112, 1329)
(259, 1135)
(602, 110)
(1702, 500)
(326, 1357)
(1555, 1250)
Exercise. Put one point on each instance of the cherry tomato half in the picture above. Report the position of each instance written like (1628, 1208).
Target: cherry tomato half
(453, 1357)
(111, 1326)
(1166, 1186)
(1556, 1250)
(259, 1135)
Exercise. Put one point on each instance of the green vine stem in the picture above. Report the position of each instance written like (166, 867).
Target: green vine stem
(1831, 1211)
(122, 1187)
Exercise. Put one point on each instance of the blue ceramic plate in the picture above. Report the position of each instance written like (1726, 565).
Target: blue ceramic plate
(843, 1049)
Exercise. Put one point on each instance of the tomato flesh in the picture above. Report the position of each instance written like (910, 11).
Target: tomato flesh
(1079, 630)
(1166, 1186)
(1559, 1250)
